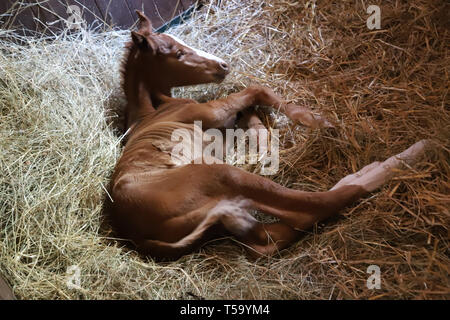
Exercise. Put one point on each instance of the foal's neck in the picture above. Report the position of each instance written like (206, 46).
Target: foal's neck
(143, 95)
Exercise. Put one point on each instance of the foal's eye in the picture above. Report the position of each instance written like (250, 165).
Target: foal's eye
(180, 53)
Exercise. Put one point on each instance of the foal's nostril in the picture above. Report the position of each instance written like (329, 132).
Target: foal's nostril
(224, 66)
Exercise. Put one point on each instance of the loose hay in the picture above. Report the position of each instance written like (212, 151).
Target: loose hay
(384, 89)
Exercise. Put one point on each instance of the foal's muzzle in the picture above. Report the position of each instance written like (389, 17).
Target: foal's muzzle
(222, 72)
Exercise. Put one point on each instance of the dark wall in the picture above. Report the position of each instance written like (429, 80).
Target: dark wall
(47, 16)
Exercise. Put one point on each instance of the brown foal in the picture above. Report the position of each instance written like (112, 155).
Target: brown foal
(167, 209)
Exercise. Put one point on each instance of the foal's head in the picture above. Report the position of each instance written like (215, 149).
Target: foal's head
(169, 62)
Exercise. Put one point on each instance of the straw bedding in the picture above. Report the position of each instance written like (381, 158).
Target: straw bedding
(60, 100)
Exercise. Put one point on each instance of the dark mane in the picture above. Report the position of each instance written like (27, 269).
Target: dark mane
(130, 48)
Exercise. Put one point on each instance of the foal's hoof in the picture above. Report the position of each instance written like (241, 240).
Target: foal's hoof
(305, 117)
(324, 123)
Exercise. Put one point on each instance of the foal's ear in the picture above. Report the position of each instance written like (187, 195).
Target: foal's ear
(144, 23)
(143, 42)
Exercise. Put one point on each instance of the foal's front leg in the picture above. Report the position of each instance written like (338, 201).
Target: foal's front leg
(250, 120)
(215, 114)
(258, 95)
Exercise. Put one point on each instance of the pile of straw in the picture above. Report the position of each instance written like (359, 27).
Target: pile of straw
(383, 89)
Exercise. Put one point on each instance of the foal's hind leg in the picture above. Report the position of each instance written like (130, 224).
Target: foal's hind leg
(266, 239)
(234, 218)
(300, 210)
(377, 173)
(161, 249)
(234, 191)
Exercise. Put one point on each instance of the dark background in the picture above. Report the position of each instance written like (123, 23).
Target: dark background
(48, 16)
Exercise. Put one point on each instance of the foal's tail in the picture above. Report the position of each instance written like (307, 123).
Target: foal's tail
(173, 250)
(232, 214)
